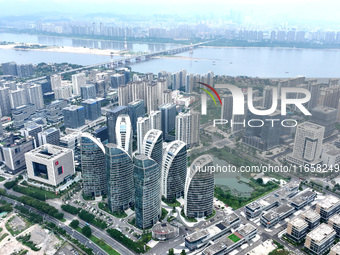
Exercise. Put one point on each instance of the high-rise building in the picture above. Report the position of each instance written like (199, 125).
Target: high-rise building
(55, 81)
(17, 98)
(74, 116)
(117, 80)
(50, 164)
(124, 133)
(22, 115)
(93, 168)
(136, 109)
(35, 96)
(187, 128)
(147, 180)
(143, 126)
(64, 92)
(307, 144)
(167, 96)
(49, 136)
(9, 68)
(93, 108)
(124, 94)
(156, 120)
(326, 117)
(227, 107)
(119, 173)
(199, 188)
(174, 170)
(267, 97)
(54, 111)
(78, 80)
(5, 103)
(25, 70)
(168, 118)
(111, 118)
(153, 145)
(153, 96)
(88, 91)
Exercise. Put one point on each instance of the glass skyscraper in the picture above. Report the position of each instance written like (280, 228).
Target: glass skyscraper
(153, 145)
(147, 178)
(93, 166)
(119, 173)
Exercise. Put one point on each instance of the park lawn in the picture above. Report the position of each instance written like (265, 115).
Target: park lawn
(234, 238)
(104, 246)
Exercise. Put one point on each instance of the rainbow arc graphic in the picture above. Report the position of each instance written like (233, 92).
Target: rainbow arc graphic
(204, 98)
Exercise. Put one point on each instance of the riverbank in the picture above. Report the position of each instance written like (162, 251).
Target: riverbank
(63, 49)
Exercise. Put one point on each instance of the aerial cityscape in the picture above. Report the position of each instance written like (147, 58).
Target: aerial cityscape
(169, 128)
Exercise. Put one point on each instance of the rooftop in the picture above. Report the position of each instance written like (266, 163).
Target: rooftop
(321, 233)
(197, 235)
(163, 228)
(246, 229)
(335, 219)
(49, 151)
(219, 245)
(298, 223)
(328, 202)
(336, 248)
(310, 215)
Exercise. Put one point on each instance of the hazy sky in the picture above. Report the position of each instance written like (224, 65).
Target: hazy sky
(306, 10)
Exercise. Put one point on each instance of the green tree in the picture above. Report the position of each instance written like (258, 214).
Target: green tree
(86, 230)
(183, 252)
(171, 252)
(74, 223)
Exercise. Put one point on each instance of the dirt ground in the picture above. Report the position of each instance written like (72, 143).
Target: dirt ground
(48, 242)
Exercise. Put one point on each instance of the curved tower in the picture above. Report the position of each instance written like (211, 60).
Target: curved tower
(174, 170)
(92, 155)
(147, 179)
(124, 133)
(199, 188)
(119, 173)
(153, 145)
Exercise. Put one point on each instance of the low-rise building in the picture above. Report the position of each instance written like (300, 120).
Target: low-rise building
(334, 222)
(312, 218)
(226, 244)
(319, 240)
(301, 200)
(335, 250)
(297, 229)
(275, 215)
(255, 208)
(164, 231)
(327, 207)
(204, 235)
(50, 164)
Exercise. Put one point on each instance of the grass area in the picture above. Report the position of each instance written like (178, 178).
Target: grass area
(103, 206)
(234, 238)
(104, 246)
(45, 193)
(210, 216)
(63, 220)
(171, 203)
(188, 219)
(164, 214)
(3, 236)
(2, 178)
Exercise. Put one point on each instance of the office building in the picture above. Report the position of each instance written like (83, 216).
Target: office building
(319, 240)
(326, 117)
(136, 109)
(111, 118)
(168, 118)
(275, 215)
(93, 108)
(155, 120)
(93, 168)
(78, 80)
(22, 115)
(17, 98)
(88, 91)
(74, 116)
(117, 80)
(119, 173)
(255, 208)
(147, 181)
(307, 144)
(199, 188)
(297, 229)
(187, 128)
(124, 133)
(143, 126)
(164, 231)
(32, 129)
(335, 250)
(50, 164)
(302, 199)
(327, 207)
(334, 222)
(49, 136)
(54, 111)
(227, 107)
(311, 217)
(152, 145)
(13, 149)
(55, 81)
(72, 141)
(174, 170)
(102, 134)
